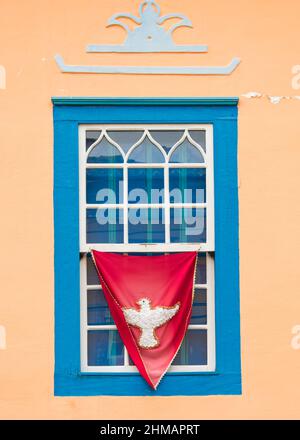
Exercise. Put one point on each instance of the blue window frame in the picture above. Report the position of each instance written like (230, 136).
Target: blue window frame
(69, 114)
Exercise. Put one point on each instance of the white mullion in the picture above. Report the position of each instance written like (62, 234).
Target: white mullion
(146, 247)
(144, 205)
(210, 198)
(94, 287)
(167, 215)
(126, 357)
(187, 165)
(125, 203)
(210, 298)
(82, 186)
(104, 165)
(188, 205)
(102, 327)
(83, 314)
(104, 205)
(145, 165)
(198, 327)
(201, 286)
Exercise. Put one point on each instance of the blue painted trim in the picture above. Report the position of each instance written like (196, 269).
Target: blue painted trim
(69, 381)
(223, 101)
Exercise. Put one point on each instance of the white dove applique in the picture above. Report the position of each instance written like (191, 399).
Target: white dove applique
(148, 319)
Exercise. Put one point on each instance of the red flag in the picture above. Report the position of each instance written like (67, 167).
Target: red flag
(150, 299)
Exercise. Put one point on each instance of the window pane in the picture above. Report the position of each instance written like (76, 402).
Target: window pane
(91, 137)
(105, 152)
(104, 185)
(146, 152)
(199, 136)
(98, 311)
(199, 311)
(105, 348)
(186, 153)
(188, 225)
(91, 275)
(201, 269)
(145, 185)
(146, 226)
(167, 138)
(104, 226)
(187, 185)
(125, 139)
(193, 350)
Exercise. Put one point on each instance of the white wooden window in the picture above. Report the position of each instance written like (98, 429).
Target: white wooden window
(146, 189)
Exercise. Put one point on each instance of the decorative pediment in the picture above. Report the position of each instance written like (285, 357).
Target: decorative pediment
(149, 35)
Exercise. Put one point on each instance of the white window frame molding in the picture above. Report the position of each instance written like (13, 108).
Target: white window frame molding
(166, 247)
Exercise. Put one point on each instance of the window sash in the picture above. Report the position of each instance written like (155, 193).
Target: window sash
(167, 247)
(126, 368)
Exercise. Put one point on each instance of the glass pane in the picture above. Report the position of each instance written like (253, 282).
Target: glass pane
(125, 139)
(104, 185)
(186, 153)
(193, 350)
(146, 226)
(146, 152)
(188, 225)
(91, 137)
(187, 185)
(199, 311)
(91, 273)
(167, 138)
(98, 311)
(201, 269)
(105, 348)
(145, 185)
(104, 226)
(105, 152)
(199, 136)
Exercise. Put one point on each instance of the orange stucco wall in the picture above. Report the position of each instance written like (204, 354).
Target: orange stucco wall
(265, 35)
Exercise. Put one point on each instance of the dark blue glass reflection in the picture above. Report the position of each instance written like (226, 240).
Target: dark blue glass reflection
(104, 185)
(199, 310)
(187, 185)
(188, 225)
(104, 226)
(193, 350)
(145, 185)
(146, 226)
(98, 310)
(105, 348)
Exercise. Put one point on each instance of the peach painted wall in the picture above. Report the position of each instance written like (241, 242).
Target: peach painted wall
(265, 35)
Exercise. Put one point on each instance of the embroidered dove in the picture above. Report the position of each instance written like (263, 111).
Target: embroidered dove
(148, 319)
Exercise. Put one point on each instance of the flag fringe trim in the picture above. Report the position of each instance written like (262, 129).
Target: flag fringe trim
(186, 325)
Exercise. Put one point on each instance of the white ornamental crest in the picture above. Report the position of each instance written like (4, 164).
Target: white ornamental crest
(147, 319)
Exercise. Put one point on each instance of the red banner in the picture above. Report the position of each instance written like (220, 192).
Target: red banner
(150, 299)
